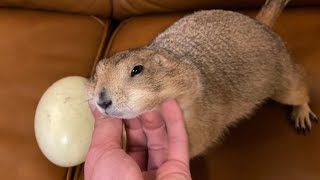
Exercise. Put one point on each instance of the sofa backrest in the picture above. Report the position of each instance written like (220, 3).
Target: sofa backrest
(121, 9)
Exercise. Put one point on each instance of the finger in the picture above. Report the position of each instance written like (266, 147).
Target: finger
(107, 133)
(154, 129)
(177, 135)
(106, 137)
(149, 174)
(173, 169)
(136, 142)
(98, 116)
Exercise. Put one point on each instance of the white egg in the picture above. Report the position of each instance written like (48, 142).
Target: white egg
(64, 123)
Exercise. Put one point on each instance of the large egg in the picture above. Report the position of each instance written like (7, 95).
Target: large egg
(64, 123)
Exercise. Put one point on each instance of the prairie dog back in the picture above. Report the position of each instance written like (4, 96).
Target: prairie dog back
(236, 54)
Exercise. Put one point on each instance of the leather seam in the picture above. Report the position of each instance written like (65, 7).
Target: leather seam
(104, 39)
(115, 33)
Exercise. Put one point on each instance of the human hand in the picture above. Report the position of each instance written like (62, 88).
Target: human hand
(157, 147)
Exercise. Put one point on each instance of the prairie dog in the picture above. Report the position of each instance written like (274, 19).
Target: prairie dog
(219, 65)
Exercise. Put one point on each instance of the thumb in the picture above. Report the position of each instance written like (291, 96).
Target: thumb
(106, 137)
(107, 131)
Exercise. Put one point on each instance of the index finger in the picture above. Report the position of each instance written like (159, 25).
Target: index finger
(136, 142)
(177, 135)
(155, 131)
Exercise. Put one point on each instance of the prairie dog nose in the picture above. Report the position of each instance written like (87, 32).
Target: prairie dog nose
(103, 100)
(104, 104)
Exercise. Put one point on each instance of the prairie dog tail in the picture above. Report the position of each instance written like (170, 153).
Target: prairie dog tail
(270, 11)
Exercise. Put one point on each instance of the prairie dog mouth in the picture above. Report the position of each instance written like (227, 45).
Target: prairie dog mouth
(125, 114)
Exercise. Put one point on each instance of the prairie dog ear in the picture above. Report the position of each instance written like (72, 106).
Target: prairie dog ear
(160, 59)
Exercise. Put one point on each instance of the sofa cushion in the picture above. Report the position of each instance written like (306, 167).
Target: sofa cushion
(264, 146)
(36, 49)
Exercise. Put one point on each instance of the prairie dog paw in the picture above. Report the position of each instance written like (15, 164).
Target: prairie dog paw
(302, 118)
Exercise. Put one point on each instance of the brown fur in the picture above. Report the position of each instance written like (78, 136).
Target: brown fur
(219, 65)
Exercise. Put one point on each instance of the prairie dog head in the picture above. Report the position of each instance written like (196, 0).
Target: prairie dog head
(134, 82)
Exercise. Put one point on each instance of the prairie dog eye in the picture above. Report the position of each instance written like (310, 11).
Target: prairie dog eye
(136, 70)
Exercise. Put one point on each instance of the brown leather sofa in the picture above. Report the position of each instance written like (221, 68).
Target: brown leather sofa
(43, 41)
